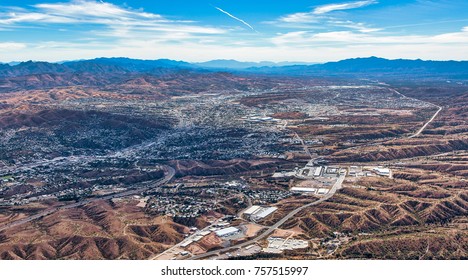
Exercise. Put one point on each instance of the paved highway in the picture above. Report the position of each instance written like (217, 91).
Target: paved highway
(169, 173)
(306, 149)
(271, 229)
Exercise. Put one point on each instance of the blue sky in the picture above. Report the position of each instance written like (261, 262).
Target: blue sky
(255, 30)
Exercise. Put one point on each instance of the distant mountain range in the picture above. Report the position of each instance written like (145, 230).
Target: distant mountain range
(374, 66)
(356, 67)
(100, 66)
(128, 64)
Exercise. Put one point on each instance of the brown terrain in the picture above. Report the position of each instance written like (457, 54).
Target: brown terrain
(420, 213)
(102, 230)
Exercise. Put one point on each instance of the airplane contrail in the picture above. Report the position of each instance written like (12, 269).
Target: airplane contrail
(236, 18)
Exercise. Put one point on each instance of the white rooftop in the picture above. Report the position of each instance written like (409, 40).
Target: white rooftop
(299, 189)
(226, 231)
(252, 209)
(265, 212)
(186, 243)
(382, 170)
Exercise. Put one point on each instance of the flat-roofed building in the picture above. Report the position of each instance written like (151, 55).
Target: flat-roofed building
(256, 212)
(197, 238)
(318, 171)
(382, 171)
(322, 191)
(227, 231)
(252, 210)
(299, 189)
(263, 213)
(186, 243)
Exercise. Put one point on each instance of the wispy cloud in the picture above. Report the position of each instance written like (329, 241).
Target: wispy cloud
(348, 38)
(319, 13)
(94, 9)
(100, 13)
(313, 22)
(300, 18)
(359, 26)
(342, 6)
(11, 46)
(426, 23)
(236, 18)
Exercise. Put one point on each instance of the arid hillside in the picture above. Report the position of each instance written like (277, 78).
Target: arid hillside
(102, 230)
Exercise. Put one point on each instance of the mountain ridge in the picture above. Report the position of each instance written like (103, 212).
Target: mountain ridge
(369, 66)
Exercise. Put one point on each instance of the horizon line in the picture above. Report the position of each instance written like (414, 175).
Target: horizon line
(226, 59)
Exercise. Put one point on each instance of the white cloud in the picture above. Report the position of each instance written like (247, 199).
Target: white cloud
(81, 9)
(11, 46)
(101, 13)
(360, 26)
(300, 18)
(310, 21)
(15, 17)
(336, 45)
(309, 39)
(319, 15)
(342, 6)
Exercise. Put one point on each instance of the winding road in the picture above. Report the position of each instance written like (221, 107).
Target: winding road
(169, 173)
(427, 123)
